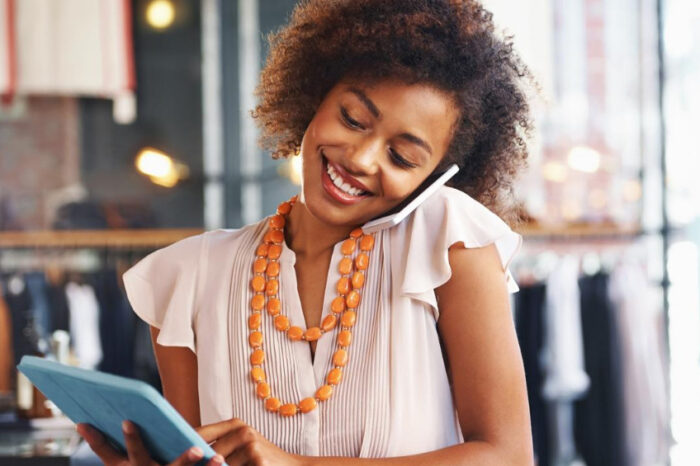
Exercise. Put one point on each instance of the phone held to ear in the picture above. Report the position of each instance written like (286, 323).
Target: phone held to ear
(423, 194)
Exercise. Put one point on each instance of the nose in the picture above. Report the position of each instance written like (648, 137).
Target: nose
(364, 158)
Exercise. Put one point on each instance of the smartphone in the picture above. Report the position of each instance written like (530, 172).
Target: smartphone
(423, 192)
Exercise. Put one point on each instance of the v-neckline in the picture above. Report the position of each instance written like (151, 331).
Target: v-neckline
(321, 357)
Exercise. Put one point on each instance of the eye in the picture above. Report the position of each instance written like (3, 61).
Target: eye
(349, 121)
(400, 161)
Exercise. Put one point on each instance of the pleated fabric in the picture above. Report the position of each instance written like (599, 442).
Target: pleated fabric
(395, 396)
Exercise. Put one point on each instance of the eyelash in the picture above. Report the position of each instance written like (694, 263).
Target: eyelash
(396, 157)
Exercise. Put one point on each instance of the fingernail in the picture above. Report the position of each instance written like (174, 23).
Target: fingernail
(126, 427)
(195, 453)
(218, 459)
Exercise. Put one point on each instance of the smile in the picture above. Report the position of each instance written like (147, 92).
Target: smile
(338, 187)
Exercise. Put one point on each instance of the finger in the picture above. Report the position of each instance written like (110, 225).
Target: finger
(189, 457)
(235, 440)
(212, 432)
(136, 450)
(245, 454)
(217, 460)
(98, 443)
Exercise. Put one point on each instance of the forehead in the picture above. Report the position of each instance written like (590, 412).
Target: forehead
(398, 99)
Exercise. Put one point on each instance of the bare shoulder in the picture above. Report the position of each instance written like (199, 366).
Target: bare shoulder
(478, 332)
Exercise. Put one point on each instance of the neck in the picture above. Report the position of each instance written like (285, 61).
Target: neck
(308, 236)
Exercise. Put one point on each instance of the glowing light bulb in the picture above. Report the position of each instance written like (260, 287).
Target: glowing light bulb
(584, 159)
(160, 14)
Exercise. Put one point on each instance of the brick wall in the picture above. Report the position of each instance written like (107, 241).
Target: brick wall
(39, 155)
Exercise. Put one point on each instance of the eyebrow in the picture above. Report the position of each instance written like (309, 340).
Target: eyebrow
(377, 114)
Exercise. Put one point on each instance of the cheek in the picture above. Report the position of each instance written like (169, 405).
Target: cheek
(398, 186)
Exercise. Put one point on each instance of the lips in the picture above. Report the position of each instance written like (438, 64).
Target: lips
(335, 192)
(346, 177)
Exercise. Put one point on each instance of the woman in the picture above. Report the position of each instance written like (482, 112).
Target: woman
(302, 340)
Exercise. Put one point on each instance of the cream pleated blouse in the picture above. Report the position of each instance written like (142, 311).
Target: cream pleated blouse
(395, 397)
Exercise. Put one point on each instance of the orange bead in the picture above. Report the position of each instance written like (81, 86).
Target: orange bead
(334, 376)
(273, 269)
(267, 238)
(255, 339)
(367, 243)
(272, 287)
(352, 300)
(289, 409)
(307, 405)
(262, 250)
(281, 323)
(357, 280)
(348, 247)
(340, 357)
(356, 233)
(257, 302)
(277, 236)
(257, 357)
(343, 285)
(272, 404)
(345, 265)
(274, 306)
(295, 333)
(293, 199)
(262, 390)
(329, 322)
(258, 283)
(254, 321)
(312, 334)
(338, 304)
(259, 265)
(258, 374)
(284, 208)
(277, 221)
(274, 251)
(348, 319)
(361, 261)
(344, 338)
(324, 392)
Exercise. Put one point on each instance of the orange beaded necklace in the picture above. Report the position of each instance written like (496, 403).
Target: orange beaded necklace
(265, 284)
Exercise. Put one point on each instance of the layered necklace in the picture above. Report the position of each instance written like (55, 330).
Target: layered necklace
(265, 285)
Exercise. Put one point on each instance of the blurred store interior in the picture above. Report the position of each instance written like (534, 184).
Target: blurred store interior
(124, 127)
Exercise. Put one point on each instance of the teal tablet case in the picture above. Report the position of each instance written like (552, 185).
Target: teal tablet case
(105, 400)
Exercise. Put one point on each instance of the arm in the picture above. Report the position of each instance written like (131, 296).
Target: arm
(486, 368)
(177, 367)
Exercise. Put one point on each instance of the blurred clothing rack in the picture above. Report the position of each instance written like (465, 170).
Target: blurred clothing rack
(146, 238)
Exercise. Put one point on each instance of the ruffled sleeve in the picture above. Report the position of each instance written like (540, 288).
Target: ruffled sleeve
(449, 216)
(162, 290)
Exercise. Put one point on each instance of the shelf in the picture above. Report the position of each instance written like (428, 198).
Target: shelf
(95, 238)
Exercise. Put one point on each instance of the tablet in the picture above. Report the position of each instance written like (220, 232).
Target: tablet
(416, 199)
(105, 400)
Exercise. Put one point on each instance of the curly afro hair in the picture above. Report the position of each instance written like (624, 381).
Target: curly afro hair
(451, 45)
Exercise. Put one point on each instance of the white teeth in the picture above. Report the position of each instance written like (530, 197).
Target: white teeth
(343, 186)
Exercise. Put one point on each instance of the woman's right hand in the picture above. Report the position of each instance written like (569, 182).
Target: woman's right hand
(136, 451)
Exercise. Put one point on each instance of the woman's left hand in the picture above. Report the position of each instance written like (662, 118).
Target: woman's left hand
(240, 444)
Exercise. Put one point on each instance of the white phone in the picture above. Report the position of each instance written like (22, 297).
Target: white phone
(396, 217)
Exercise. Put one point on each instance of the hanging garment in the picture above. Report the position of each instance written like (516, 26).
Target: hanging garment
(395, 398)
(566, 378)
(84, 324)
(18, 300)
(640, 324)
(600, 415)
(41, 311)
(529, 325)
(116, 324)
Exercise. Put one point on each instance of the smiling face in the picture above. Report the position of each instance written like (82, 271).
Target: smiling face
(369, 147)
